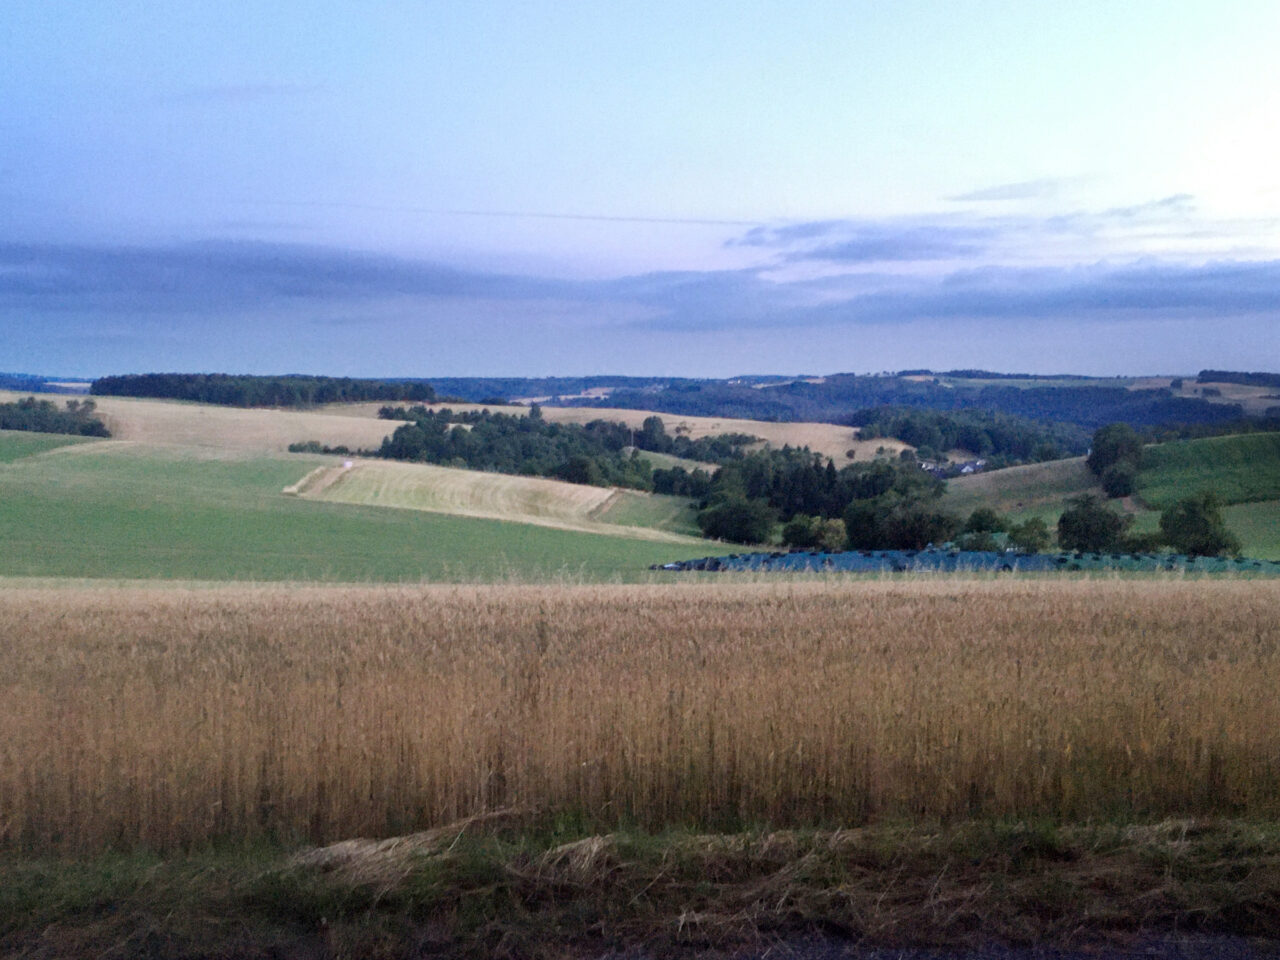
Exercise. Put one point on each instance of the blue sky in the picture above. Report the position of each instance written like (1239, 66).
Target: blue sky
(694, 188)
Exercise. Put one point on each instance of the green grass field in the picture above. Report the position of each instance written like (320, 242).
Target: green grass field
(17, 444)
(665, 461)
(1240, 469)
(634, 509)
(1243, 470)
(1034, 490)
(1258, 527)
(125, 511)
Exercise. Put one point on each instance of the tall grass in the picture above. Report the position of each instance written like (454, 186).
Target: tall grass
(174, 718)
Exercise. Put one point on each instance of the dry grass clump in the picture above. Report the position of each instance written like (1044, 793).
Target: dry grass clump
(172, 718)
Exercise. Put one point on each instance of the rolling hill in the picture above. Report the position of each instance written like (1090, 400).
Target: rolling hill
(1033, 490)
(1243, 468)
(127, 510)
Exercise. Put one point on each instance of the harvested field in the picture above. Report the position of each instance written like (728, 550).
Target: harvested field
(829, 439)
(472, 493)
(207, 425)
(171, 718)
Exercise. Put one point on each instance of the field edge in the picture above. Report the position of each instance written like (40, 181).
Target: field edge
(517, 884)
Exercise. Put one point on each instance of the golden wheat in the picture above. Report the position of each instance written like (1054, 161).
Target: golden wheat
(172, 718)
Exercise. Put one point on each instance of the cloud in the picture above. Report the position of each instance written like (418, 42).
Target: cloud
(871, 241)
(207, 277)
(272, 292)
(1218, 292)
(1179, 204)
(1046, 187)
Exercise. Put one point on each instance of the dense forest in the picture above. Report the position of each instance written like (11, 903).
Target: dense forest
(1002, 438)
(43, 416)
(250, 391)
(879, 504)
(601, 452)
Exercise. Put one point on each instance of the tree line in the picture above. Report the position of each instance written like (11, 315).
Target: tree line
(601, 452)
(1254, 379)
(238, 390)
(43, 416)
(1003, 439)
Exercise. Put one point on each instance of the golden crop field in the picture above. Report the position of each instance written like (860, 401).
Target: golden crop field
(828, 439)
(207, 425)
(473, 493)
(1254, 400)
(169, 718)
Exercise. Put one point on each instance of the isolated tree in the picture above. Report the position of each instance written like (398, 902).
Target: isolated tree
(862, 524)
(984, 520)
(1120, 479)
(800, 532)
(913, 525)
(1114, 443)
(982, 541)
(832, 535)
(1194, 526)
(1030, 536)
(1088, 525)
(739, 520)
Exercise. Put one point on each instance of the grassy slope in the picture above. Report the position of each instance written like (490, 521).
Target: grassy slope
(1240, 469)
(1034, 490)
(1258, 527)
(632, 508)
(17, 444)
(665, 461)
(121, 510)
(1243, 470)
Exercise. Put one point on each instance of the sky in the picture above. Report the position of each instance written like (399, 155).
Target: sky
(692, 188)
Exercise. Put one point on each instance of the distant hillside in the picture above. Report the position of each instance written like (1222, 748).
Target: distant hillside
(1086, 404)
(32, 383)
(477, 389)
(1240, 469)
(238, 390)
(1253, 379)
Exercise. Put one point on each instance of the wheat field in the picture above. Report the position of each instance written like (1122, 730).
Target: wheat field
(172, 718)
